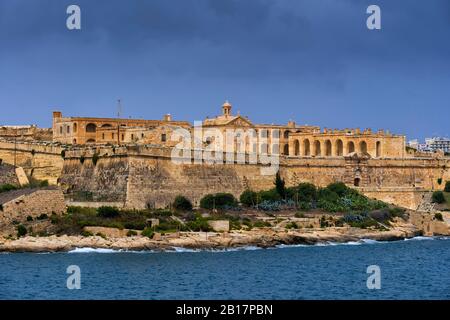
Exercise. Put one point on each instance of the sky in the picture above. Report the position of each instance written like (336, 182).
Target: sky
(311, 61)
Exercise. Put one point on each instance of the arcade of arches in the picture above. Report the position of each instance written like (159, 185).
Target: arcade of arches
(324, 145)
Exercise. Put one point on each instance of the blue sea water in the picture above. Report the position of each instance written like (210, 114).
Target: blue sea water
(413, 269)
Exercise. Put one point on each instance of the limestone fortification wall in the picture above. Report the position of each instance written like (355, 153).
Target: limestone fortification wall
(41, 161)
(8, 174)
(141, 176)
(33, 203)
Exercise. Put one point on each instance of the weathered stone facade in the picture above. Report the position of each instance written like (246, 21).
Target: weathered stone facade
(42, 161)
(8, 174)
(19, 204)
(78, 130)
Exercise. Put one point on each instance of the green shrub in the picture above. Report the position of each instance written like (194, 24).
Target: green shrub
(87, 233)
(438, 197)
(339, 188)
(7, 187)
(305, 192)
(29, 218)
(218, 200)
(269, 195)
(21, 230)
(438, 216)
(291, 225)
(447, 186)
(199, 224)
(108, 212)
(249, 198)
(136, 225)
(303, 205)
(101, 235)
(131, 233)
(261, 224)
(148, 232)
(43, 183)
(182, 203)
(42, 217)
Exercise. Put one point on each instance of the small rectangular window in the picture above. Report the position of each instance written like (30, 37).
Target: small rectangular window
(163, 137)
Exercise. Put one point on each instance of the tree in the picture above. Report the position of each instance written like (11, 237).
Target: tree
(438, 197)
(182, 203)
(249, 198)
(107, 212)
(447, 186)
(280, 185)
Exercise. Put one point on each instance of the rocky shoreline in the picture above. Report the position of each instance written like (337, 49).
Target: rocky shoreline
(258, 237)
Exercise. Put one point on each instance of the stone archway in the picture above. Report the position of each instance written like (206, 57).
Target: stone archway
(317, 148)
(296, 148)
(306, 147)
(91, 127)
(328, 148)
(363, 147)
(286, 149)
(339, 149)
(350, 147)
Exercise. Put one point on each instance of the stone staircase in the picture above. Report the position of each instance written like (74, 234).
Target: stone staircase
(426, 205)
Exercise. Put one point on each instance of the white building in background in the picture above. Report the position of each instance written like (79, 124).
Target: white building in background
(431, 144)
(438, 143)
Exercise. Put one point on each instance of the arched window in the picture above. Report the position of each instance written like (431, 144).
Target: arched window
(363, 147)
(339, 147)
(286, 134)
(91, 141)
(350, 147)
(75, 126)
(296, 148)
(306, 147)
(328, 148)
(317, 148)
(91, 127)
(286, 149)
(378, 149)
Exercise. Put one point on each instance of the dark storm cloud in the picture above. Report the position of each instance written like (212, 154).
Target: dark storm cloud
(314, 53)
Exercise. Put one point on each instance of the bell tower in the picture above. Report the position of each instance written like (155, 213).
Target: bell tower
(226, 109)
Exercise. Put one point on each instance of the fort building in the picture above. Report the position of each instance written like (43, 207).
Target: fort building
(137, 170)
(288, 140)
(78, 130)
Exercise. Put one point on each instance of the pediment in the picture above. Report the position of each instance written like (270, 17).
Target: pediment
(240, 122)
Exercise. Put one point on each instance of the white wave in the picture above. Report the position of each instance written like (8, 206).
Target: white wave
(246, 248)
(94, 250)
(419, 238)
(181, 249)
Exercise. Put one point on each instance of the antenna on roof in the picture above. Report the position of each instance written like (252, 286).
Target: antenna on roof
(119, 108)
